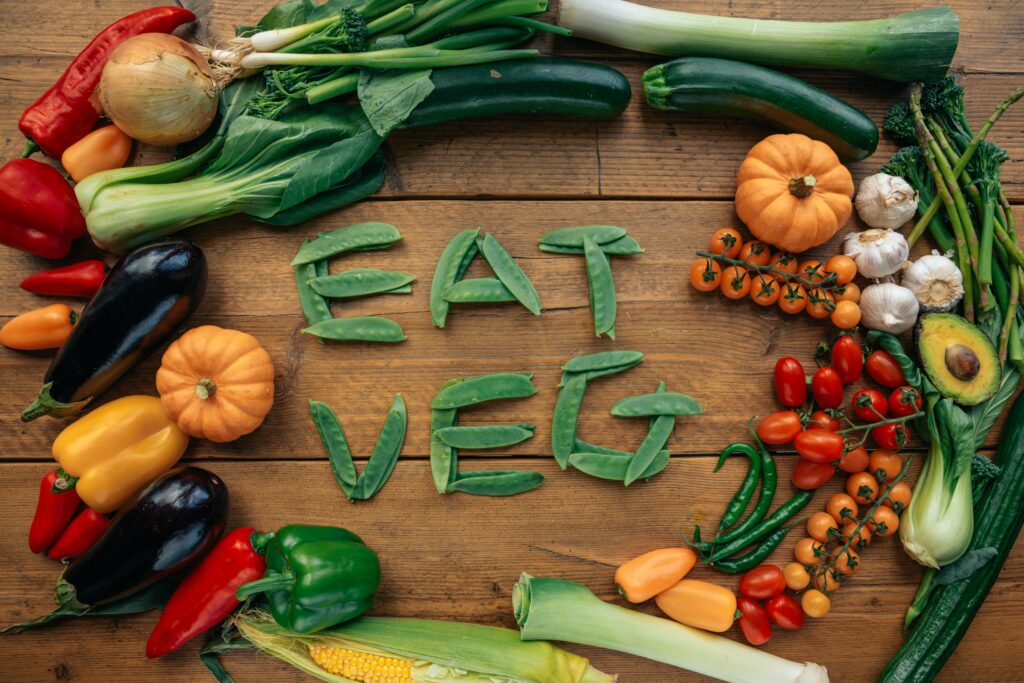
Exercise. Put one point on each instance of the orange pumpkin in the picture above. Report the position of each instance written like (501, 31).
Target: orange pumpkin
(217, 384)
(792, 192)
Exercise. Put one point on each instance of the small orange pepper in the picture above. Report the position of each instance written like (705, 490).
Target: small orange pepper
(101, 150)
(43, 328)
(643, 577)
(699, 604)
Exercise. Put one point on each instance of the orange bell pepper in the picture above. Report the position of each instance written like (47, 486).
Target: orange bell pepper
(655, 572)
(43, 328)
(699, 604)
(101, 150)
(117, 449)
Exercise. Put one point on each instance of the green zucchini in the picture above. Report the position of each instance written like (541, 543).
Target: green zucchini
(721, 87)
(532, 86)
(998, 518)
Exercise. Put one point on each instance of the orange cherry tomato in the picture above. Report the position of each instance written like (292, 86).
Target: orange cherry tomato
(42, 328)
(779, 428)
(820, 303)
(822, 526)
(855, 460)
(825, 580)
(735, 282)
(899, 496)
(727, 242)
(842, 507)
(846, 315)
(849, 292)
(765, 290)
(811, 270)
(784, 262)
(844, 267)
(796, 576)
(815, 604)
(864, 535)
(705, 275)
(792, 299)
(807, 551)
(846, 561)
(885, 464)
(756, 252)
(862, 487)
(884, 522)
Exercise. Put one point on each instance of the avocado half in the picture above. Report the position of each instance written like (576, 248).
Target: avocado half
(958, 358)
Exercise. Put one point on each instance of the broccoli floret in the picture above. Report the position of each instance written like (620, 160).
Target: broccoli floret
(983, 471)
(984, 167)
(944, 102)
(899, 123)
(354, 27)
(908, 163)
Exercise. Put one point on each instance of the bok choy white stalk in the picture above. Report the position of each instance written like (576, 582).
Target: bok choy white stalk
(553, 609)
(916, 46)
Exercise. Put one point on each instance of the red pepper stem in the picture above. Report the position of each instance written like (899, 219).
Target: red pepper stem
(63, 483)
(268, 583)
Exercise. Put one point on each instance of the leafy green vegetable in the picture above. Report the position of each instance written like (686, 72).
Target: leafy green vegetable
(389, 97)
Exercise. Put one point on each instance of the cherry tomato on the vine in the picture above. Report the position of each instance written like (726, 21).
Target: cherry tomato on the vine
(846, 315)
(822, 420)
(884, 369)
(753, 621)
(779, 428)
(842, 507)
(820, 303)
(885, 465)
(849, 292)
(727, 242)
(904, 401)
(862, 487)
(854, 461)
(784, 262)
(809, 475)
(756, 252)
(735, 282)
(847, 359)
(900, 494)
(844, 267)
(822, 527)
(892, 435)
(785, 612)
(793, 299)
(818, 445)
(884, 522)
(811, 270)
(827, 388)
(870, 405)
(762, 582)
(764, 290)
(705, 275)
(790, 382)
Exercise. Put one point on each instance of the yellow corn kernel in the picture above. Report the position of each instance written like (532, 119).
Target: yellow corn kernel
(361, 666)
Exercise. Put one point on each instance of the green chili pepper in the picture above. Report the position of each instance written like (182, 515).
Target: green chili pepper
(317, 576)
(769, 482)
(782, 515)
(737, 565)
(738, 505)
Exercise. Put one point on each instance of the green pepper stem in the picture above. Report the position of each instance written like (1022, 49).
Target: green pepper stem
(275, 582)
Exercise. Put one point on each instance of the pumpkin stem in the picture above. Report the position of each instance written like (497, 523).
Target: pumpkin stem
(205, 388)
(802, 187)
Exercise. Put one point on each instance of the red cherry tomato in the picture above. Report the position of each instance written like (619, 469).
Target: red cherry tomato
(790, 382)
(847, 359)
(870, 405)
(904, 401)
(753, 621)
(827, 388)
(820, 446)
(762, 582)
(892, 435)
(779, 428)
(809, 475)
(884, 369)
(822, 420)
(855, 461)
(785, 612)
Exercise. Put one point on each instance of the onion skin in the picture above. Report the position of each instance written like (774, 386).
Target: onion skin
(159, 90)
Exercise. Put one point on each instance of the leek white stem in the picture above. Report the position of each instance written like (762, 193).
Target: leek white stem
(270, 41)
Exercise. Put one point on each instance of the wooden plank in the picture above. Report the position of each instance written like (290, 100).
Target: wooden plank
(445, 565)
(681, 331)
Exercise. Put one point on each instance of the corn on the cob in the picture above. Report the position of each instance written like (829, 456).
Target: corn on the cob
(361, 667)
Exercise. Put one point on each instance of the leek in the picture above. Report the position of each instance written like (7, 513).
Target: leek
(915, 46)
(553, 609)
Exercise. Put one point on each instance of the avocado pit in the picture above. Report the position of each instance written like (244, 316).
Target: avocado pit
(962, 362)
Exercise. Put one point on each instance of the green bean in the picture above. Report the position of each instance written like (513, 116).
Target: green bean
(360, 282)
(443, 458)
(738, 505)
(314, 307)
(613, 466)
(386, 451)
(582, 446)
(604, 360)
(510, 274)
(783, 514)
(567, 413)
(496, 482)
(483, 437)
(624, 246)
(573, 237)
(653, 443)
(648, 405)
(494, 387)
(478, 290)
(338, 453)
(461, 250)
(602, 288)
(360, 328)
(361, 236)
(738, 565)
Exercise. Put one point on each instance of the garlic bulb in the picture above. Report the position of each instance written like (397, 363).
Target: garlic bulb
(886, 201)
(936, 282)
(878, 253)
(888, 307)
(159, 90)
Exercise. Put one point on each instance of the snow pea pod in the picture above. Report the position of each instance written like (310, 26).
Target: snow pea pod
(510, 274)
(359, 328)
(486, 436)
(338, 452)
(443, 458)
(582, 446)
(496, 482)
(361, 236)
(746, 562)
(613, 466)
(314, 307)
(473, 390)
(573, 237)
(738, 505)
(602, 288)
(622, 360)
(478, 290)
(648, 405)
(566, 415)
(385, 452)
(653, 443)
(360, 282)
(452, 265)
(624, 246)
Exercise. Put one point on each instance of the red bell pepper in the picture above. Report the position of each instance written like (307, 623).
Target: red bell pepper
(79, 279)
(207, 595)
(39, 212)
(67, 112)
(84, 530)
(54, 509)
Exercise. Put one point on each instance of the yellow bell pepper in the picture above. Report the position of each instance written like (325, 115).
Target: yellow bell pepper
(119, 448)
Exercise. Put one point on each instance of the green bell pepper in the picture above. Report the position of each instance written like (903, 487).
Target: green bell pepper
(317, 576)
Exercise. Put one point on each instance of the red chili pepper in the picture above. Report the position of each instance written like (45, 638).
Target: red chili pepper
(79, 279)
(39, 212)
(67, 112)
(207, 595)
(54, 510)
(84, 530)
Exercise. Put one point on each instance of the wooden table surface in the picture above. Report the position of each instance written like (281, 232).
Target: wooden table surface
(669, 179)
